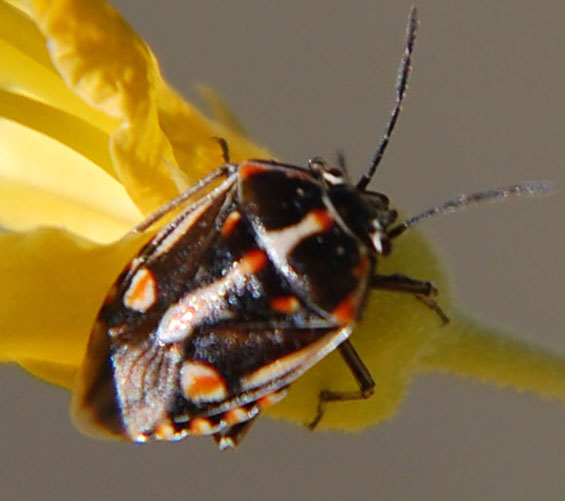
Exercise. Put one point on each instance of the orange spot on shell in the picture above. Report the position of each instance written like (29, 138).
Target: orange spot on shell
(164, 431)
(345, 311)
(253, 261)
(271, 399)
(142, 292)
(235, 416)
(285, 304)
(230, 223)
(248, 169)
(200, 426)
(323, 218)
(200, 382)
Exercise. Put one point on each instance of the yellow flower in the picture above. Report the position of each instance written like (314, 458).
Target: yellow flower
(93, 140)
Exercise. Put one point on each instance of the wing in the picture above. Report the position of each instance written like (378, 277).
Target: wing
(159, 275)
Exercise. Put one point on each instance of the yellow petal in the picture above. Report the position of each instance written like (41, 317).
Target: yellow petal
(66, 129)
(23, 207)
(98, 54)
(53, 283)
(190, 135)
(59, 374)
(19, 31)
(104, 61)
(44, 183)
(26, 67)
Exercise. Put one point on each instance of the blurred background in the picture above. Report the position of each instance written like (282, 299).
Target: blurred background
(485, 107)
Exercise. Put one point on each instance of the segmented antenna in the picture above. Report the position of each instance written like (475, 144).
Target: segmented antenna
(401, 86)
(525, 188)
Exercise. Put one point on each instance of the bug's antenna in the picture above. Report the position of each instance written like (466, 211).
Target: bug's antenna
(525, 188)
(401, 85)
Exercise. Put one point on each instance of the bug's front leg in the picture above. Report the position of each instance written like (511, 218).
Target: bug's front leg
(421, 290)
(361, 375)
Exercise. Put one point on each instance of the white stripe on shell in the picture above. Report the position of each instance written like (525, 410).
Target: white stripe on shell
(201, 304)
(189, 217)
(288, 368)
(280, 243)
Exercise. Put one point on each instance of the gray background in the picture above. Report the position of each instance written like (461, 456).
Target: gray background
(485, 107)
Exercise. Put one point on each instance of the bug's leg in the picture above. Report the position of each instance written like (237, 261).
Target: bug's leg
(232, 436)
(402, 283)
(434, 306)
(361, 375)
(421, 290)
(225, 148)
(205, 182)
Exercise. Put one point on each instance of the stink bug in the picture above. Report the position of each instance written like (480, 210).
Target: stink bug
(265, 270)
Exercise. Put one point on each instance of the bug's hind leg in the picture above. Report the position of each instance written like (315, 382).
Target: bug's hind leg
(232, 436)
(422, 290)
(362, 376)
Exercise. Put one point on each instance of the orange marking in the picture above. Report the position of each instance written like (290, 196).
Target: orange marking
(164, 431)
(249, 169)
(345, 311)
(235, 416)
(200, 426)
(323, 218)
(285, 304)
(271, 399)
(142, 291)
(253, 261)
(200, 382)
(230, 223)
(362, 268)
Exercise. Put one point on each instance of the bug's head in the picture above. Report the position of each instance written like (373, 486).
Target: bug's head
(366, 213)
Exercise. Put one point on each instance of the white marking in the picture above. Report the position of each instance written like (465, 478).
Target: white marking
(180, 230)
(189, 216)
(287, 369)
(226, 443)
(333, 179)
(272, 398)
(377, 241)
(280, 243)
(235, 416)
(201, 304)
(142, 291)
